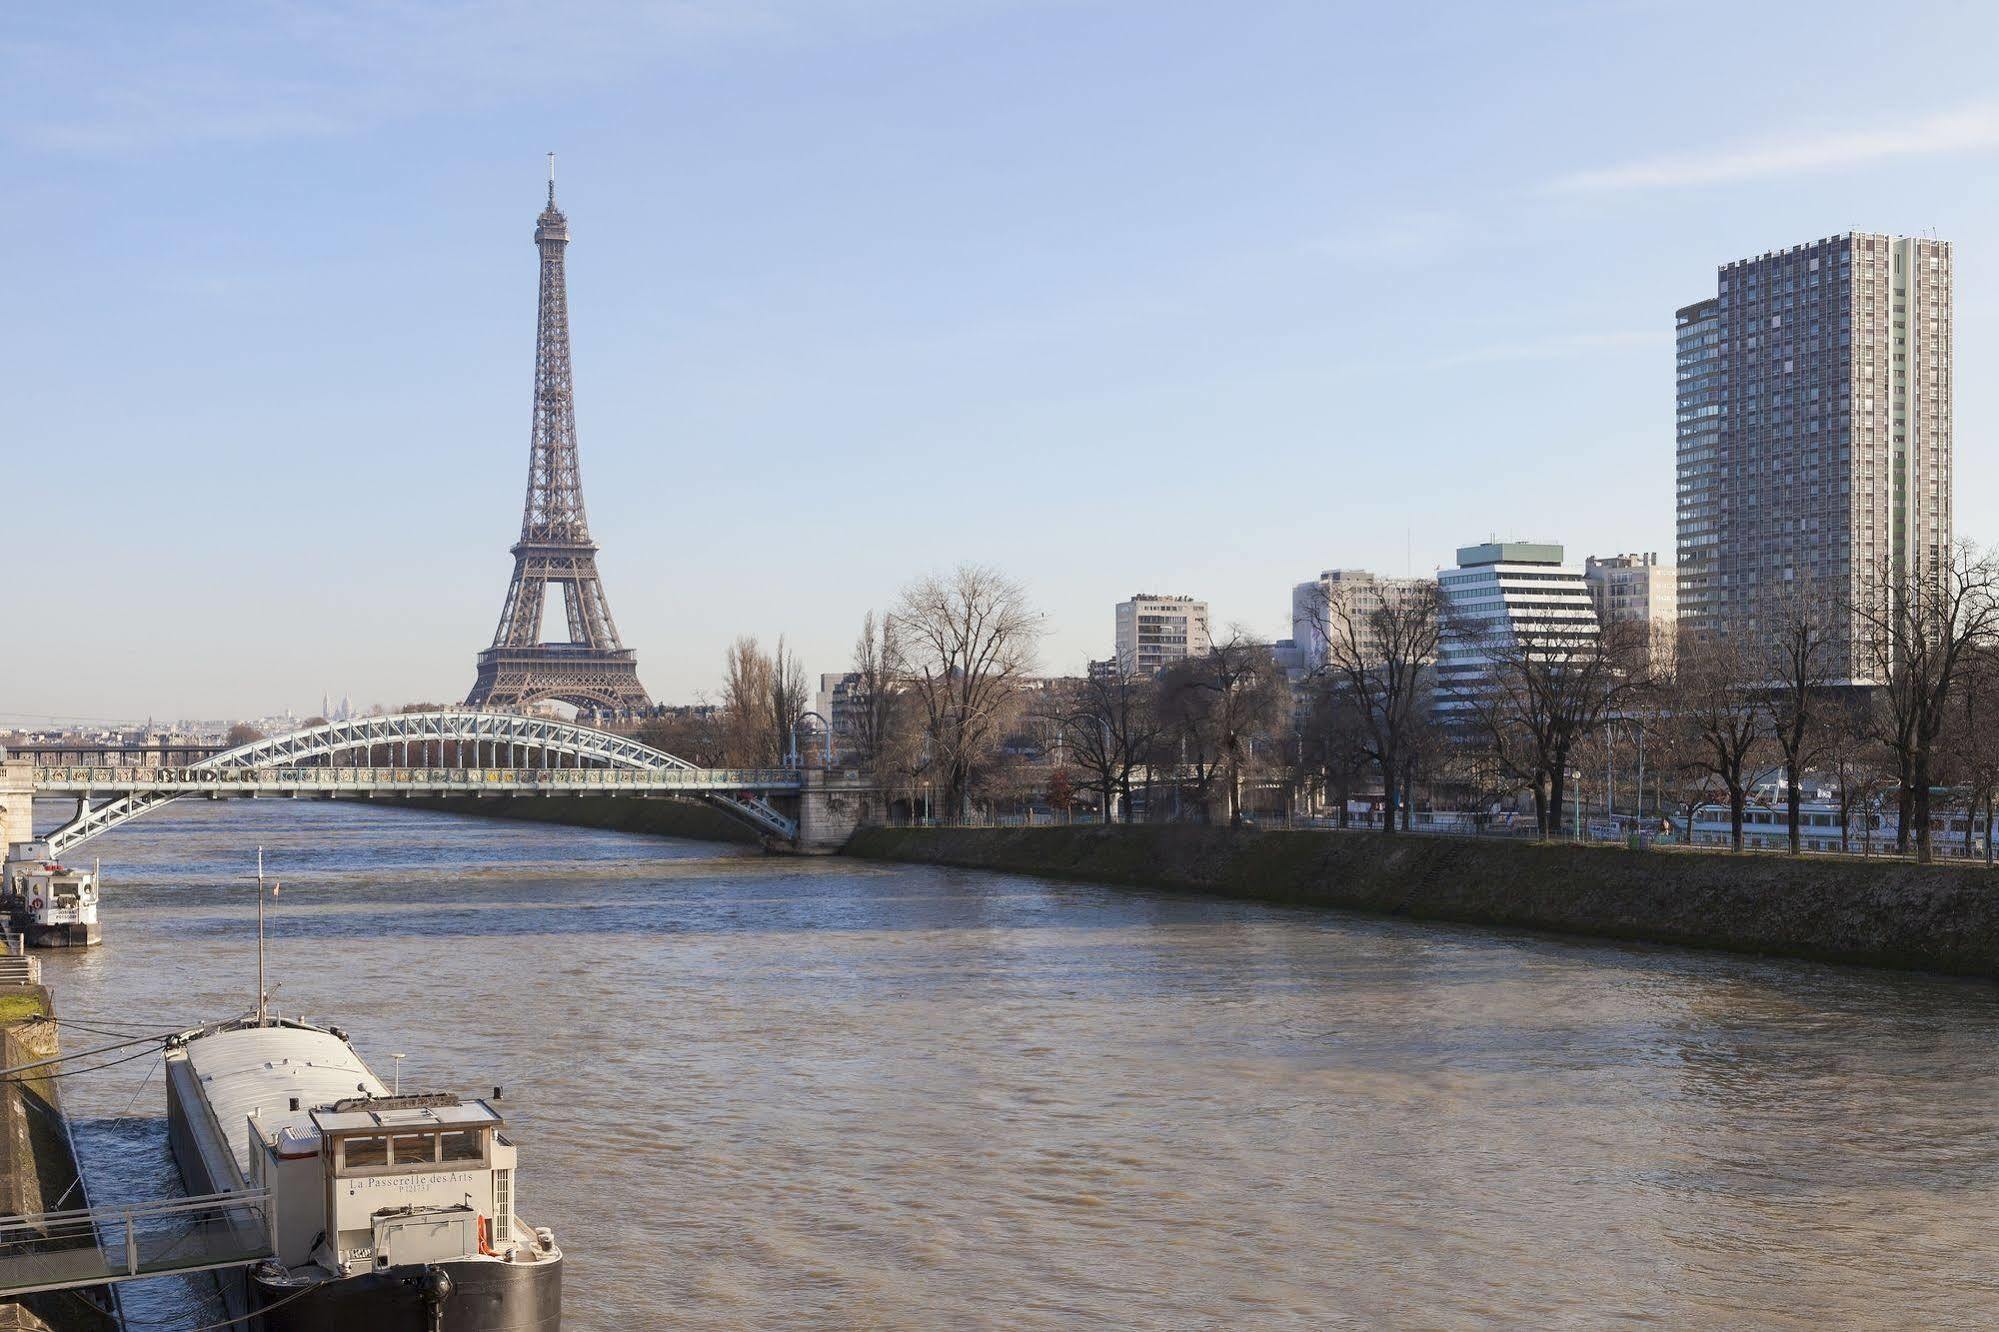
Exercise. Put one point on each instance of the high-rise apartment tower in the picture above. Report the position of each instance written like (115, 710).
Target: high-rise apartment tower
(1814, 430)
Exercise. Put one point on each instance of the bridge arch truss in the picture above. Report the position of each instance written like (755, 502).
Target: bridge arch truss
(280, 762)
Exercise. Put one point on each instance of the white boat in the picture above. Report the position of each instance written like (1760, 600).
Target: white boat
(383, 1211)
(48, 903)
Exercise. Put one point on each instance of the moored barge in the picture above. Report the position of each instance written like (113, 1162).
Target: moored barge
(384, 1212)
(46, 902)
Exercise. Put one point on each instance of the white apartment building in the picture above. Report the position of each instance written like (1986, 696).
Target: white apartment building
(1153, 632)
(1500, 593)
(1637, 589)
(1357, 591)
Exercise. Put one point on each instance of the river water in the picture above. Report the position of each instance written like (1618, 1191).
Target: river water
(758, 1092)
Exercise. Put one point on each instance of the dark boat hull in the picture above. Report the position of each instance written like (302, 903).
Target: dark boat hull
(484, 1297)
(61, 936)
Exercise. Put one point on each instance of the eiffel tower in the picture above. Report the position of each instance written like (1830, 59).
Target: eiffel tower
(593, 670)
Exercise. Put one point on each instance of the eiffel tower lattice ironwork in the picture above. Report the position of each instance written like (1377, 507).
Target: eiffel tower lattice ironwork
(593, 670)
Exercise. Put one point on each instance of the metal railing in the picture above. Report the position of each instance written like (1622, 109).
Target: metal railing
(86, 779)
(103, 1245)
(1948, 849)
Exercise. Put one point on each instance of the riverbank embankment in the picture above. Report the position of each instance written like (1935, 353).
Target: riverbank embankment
(1881, 914)
(38, 1168)
(662, 817)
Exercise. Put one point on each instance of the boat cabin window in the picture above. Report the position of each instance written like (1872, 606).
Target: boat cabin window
(463, 1145)
(406, 1150)
(363, 1152)
(413, 1149)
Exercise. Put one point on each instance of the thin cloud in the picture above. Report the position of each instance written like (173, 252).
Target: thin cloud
(1967, 129)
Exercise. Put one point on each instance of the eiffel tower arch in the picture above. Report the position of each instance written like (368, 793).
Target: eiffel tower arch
(593, 670)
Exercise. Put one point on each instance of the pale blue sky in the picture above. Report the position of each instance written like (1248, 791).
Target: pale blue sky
(1178, 297)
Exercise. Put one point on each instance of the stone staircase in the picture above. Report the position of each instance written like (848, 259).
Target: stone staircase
(17, 967)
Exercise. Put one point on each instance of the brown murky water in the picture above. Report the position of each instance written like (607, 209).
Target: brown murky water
(764, 1093)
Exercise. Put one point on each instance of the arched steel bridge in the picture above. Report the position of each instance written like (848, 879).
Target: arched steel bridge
(454, 752)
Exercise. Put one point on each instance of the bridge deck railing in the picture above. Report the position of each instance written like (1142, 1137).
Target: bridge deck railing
(100, 1245)
(126, 779)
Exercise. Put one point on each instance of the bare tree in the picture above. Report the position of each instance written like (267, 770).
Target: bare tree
(787, 697)
(1108, 722)
(1919, 631)
(1543, 686)
(966, 642)
(1333, 749)
(1801, 656)
(1968, 748)
(876, 723)
(1379, 654)
(242, 733)
(1716, 699)
(1226, 701)
(1852, 755)
(1675, 751)
(1187, 741)
(748, 729)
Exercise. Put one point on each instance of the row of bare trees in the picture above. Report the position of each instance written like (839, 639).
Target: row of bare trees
(1202, 729)
(1893, 692)
(1889, 691)
(935, 687)
(763, 696)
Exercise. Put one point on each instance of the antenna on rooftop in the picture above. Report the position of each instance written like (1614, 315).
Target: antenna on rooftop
(261, 994)
(551, 180)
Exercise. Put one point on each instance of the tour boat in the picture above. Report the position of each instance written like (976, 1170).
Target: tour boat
(380, 1211)
(1766, 823)
(46, 902)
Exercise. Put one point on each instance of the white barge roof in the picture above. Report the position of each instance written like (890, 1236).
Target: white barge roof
(360, 1118)
(256, 1070)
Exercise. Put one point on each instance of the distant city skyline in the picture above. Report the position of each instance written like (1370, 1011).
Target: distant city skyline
(863, 291)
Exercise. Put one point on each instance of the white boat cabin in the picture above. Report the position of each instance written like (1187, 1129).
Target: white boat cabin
(358, 1178)
(407, 1179)
(43, 892)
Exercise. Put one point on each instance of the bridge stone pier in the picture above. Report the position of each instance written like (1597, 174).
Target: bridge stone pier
(830, 806)
(17, 802)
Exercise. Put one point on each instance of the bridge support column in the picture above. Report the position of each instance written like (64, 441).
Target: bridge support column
(830, 807)
(17, 802)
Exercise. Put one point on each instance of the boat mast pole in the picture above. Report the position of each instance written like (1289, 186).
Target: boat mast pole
(260, 936)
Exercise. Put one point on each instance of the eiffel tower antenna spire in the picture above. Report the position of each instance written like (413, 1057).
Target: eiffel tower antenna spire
(592, 670)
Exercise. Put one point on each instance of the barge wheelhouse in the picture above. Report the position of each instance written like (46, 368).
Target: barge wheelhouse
(47, 903)
(381, 1211)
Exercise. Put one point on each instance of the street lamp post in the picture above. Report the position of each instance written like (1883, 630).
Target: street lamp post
(1638, 810)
